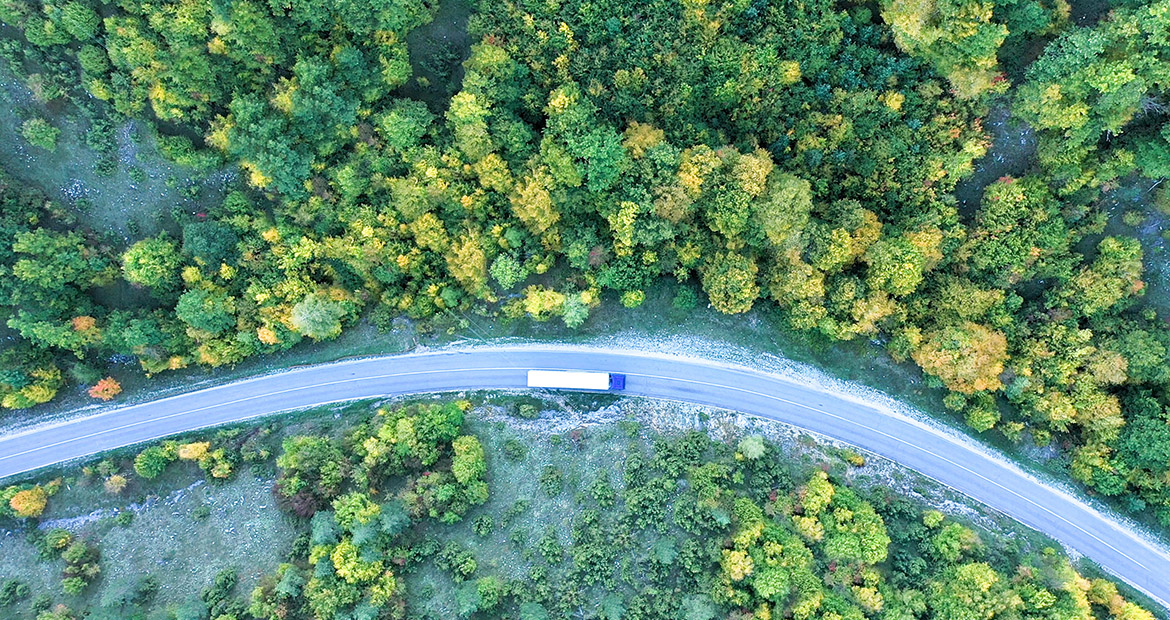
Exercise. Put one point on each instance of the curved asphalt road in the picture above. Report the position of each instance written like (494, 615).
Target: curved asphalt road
(937, 454)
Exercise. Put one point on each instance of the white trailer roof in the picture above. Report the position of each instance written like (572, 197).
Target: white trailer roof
(568, 379)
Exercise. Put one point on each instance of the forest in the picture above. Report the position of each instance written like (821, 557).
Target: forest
(678, 526)
(798, 158)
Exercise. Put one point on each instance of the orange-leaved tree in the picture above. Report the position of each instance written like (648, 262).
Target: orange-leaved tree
(106, 389)
(29, 503)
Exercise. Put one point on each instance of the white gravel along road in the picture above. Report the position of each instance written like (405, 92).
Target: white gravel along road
(935, 452)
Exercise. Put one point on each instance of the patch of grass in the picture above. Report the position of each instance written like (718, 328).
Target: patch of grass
(122, 193)
(243, 529)
(437, 51)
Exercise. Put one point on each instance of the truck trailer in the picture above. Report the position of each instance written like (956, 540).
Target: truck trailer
(576, 380)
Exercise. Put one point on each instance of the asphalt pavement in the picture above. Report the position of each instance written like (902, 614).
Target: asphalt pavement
(942, 455)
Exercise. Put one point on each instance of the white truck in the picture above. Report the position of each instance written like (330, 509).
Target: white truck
(576, 380)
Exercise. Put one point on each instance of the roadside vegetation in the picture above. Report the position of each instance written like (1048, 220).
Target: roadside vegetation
(442, 509)
(800, 157)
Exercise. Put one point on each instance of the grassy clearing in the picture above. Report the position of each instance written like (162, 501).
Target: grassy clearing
(243, 530)
(1133, 211)
(135, 201)
(1012, 153)
(182, 536)
(437, 51)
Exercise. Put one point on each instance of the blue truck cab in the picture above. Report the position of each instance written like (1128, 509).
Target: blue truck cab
(616, 381)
